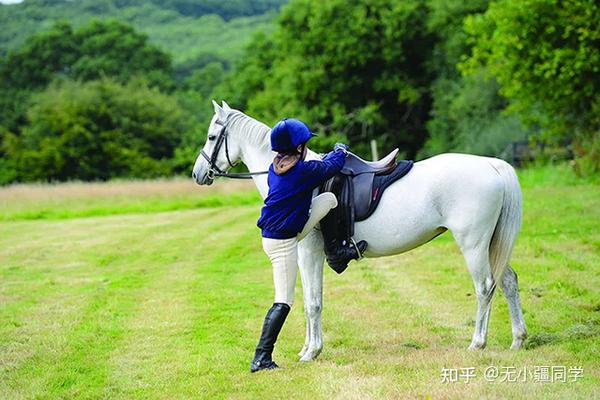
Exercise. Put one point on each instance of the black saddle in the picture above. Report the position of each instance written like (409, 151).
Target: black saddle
(359, 187)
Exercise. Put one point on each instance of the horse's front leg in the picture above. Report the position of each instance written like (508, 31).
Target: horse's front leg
(310, 261)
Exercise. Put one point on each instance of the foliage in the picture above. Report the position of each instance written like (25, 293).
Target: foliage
(203, 81)
(354, 70)
(467, 112)
(226, 9)
(251, 72)
(467, 117)
(102, 48)
(445, 20)
(190, 30)
(357, 66)
(97, 130)
(545, 54)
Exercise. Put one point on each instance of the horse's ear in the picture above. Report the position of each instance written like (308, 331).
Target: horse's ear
(221, 113)
(226, 106)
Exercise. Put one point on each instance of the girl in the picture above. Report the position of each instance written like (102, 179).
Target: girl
(285, 220)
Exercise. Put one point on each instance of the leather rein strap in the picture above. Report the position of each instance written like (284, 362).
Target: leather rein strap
(214, 170)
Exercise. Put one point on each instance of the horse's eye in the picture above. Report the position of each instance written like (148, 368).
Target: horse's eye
(212, 137)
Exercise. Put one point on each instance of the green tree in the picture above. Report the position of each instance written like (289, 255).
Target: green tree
(356, 66)
(112, 48)
(102, 48)
(250, 73)
(226, 9)
(204, 80)
(97, 130)
(194, 97)
(467, 116)
(546, 56)
(467, 112)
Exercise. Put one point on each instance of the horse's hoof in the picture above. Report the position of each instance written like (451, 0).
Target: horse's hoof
(477, 346)
(517, 344)
(306, 358)
(310, 355)
(303, 351)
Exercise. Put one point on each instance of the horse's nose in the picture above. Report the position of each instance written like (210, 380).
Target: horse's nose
(194, 175)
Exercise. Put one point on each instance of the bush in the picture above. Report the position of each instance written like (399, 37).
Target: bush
(97, 130)
(468, 117)
(546, 56)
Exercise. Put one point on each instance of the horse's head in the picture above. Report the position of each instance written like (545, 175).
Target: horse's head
(220, 152)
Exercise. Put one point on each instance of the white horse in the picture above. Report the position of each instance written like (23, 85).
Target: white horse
(477, 198)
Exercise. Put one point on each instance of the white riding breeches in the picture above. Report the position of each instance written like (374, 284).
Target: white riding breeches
(283, 253)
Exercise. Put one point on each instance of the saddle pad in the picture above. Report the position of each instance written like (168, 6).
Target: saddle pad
(380, 183)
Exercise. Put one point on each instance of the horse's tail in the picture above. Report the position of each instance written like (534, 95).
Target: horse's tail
(509, 221)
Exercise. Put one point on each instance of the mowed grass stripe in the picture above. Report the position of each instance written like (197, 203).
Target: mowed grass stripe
(62, 267)
(231, 296)
(152, 360)
(99, 308)
(57, 258)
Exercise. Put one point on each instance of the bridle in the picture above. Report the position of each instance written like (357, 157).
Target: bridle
(213, 169)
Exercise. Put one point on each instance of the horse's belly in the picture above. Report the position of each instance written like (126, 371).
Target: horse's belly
(405, 218)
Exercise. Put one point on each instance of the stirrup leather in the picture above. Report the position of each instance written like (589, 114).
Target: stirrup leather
(360, 255)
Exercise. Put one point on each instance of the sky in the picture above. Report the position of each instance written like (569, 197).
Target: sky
(10, 1)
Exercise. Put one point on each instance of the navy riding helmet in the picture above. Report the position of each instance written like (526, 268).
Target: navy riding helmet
(288, 134)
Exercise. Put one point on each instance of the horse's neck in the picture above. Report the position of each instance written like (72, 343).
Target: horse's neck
(257, 161)
(255, 150)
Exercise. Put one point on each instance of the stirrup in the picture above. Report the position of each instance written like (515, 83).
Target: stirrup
(360, 256)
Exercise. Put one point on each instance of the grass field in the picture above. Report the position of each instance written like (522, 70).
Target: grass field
(158, 290)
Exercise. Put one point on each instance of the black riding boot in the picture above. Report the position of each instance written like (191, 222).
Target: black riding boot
(339, 254)
(271, 327)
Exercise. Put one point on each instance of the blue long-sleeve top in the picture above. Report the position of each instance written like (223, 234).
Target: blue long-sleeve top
(287, 205)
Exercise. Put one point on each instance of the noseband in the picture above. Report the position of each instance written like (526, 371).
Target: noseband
(213, 169)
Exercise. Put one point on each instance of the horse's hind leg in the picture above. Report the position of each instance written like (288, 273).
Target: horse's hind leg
(483, 280)
(510, 287)
(478, 262)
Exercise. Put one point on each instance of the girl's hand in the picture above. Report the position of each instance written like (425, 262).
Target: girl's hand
(340, 147)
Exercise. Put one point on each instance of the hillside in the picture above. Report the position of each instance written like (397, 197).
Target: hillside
(193, 32)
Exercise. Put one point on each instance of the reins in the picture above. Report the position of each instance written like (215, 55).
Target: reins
(214, 170)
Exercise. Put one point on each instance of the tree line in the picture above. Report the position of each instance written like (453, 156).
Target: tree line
(432, 76)
(429, 76)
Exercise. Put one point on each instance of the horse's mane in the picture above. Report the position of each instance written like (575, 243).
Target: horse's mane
(255, 132)
(249, 129)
